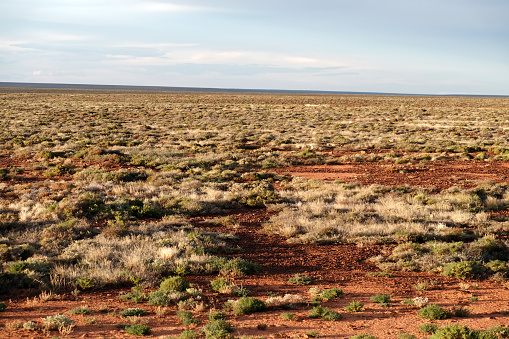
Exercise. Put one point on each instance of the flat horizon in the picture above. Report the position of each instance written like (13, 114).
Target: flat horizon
(43, 85)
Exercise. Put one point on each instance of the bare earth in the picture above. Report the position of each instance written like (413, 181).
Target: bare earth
(341, 266)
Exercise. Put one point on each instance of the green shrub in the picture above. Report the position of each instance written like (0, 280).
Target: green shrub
(135, 297)
(288, 316)
(406, 336)
(497, 266)
(455, 331)
(175, 283)
(3, 306)
(239, 267)
(247, 305)
(221, 284)
(331, 293)
(313, 334)
(460, 312)
(80, 310)
(133, 311)
(382, 299)
(354, 306)
(433, 312)
(86, 283)
(298, 279)
(428, 328)
(217, 315)
(363, 336)
(464, 269)
(138, 330)
(188, 334)
(324, 313)
(218, 329)
(158, 298)
(30, 326)
(54, 322)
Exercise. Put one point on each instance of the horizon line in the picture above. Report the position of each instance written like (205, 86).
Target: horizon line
(43, 85)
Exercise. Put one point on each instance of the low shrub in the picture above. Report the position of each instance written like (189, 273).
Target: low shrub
(80, 310)
(138, 330)
(188, 334)
(433, 312)
(288, 316)
(133, 311)
(354, 306)
(464, 269)
(298, 279)
(428, 328)
(218, 329)
(175, 283)
(57, 321)
(3, 306)
(324, 313)
(30, 326)
(217, 315)
(363, 336)
(247, 305)
(382, 299)
(221, 285)
(456, 331)
(332, 293)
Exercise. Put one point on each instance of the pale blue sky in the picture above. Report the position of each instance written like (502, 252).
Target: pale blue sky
(404, 46)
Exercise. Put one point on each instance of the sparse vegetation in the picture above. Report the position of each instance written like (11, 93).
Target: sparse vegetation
(119, 190)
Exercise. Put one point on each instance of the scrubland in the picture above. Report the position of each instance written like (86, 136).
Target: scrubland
(134, 192)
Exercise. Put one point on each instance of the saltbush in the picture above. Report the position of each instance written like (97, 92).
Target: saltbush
(132, 312)
(138, 329)
(247, 305)
(433, 312)
(464, 269)
(324, 313)
(175, 283)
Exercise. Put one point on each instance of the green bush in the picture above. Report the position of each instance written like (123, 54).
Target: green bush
(86, 283)
(354, 306)
(218, 329)
(220, 284)
(324, 313)
(332, 293)
(239, 267)
(54, 322)
(288, 316)
(138, 330)
(175, 283)
(363, 336)
(433, 312)
(158, 298)
(497, 266)
(3, 306)
(247, 305)
(382, 299)
(217, 315)
(80, 310)
(133, 311)
(428, 328)
(464, 269)
(455, 331)
(30, 326)
(188, 334)
(406, 336)
(298, 279)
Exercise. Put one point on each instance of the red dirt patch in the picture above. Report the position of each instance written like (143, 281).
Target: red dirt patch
(440, 175)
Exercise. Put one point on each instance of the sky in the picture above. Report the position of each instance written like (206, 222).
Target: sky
(390, 46)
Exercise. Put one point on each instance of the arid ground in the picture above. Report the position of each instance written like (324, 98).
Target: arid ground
(371, 195)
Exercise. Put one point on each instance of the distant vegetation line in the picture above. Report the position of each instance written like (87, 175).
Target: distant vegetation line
(204, 89)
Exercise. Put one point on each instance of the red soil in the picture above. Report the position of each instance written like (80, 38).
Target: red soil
(342, 266)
